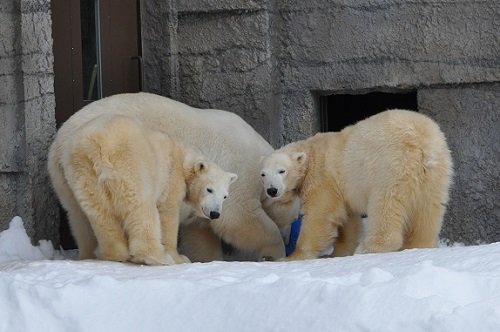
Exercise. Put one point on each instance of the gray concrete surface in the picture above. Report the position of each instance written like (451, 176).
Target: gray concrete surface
(470, 118)
(27, 122)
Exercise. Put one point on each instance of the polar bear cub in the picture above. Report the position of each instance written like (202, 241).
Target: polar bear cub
(394, 166)
(122, 185)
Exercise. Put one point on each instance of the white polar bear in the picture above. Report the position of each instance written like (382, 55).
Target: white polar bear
(394, 166)
(123, 185)
(231, 143)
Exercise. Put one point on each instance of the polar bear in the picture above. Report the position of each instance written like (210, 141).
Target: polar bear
(123, 184)
(394, 166)
(227, 140)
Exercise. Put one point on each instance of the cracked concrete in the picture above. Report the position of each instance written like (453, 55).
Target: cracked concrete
(27, 121)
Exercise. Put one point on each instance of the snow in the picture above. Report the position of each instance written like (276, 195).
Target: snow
(444, 289)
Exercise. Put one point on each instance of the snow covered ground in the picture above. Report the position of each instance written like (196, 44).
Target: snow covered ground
(445, 289)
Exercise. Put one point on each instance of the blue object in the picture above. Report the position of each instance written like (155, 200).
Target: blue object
(294, 235)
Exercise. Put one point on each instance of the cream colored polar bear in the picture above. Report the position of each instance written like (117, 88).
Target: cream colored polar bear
(123, 184)
(394, 166)
(250, 221)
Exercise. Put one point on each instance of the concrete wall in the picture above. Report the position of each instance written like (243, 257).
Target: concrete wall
(214, 54)
(268, 61)
(470, 118)
(27, 122)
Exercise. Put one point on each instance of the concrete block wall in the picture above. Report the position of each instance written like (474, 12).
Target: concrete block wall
(11, 137)
(269, 61)
(352, 46)
(214, 54)
(27, 121)
(470, 118)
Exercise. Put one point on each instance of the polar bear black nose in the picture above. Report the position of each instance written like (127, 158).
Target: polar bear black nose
(214, 214)
(272, 192)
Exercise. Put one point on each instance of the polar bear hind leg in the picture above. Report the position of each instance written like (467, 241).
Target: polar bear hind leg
(426, 222)
(95, 202)
(79, 223)
(387, 219)
(349, 236)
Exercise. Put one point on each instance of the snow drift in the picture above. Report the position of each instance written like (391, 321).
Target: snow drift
(445, 289)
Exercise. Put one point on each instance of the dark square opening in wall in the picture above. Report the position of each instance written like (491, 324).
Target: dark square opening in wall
(341, 110)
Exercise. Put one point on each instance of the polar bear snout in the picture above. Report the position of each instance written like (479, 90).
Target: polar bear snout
(214, 215)
(212, 210)
(272, 192)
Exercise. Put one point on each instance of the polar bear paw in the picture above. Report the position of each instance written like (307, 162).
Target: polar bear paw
(176, 258)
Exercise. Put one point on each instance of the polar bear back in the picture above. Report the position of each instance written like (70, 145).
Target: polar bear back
(189, 124)
(390, 145)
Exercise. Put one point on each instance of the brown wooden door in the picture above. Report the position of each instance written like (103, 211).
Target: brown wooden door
(120, 50)
(97, 53)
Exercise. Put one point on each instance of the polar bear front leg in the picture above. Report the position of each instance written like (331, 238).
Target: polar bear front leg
(169, 219)
(323, 212)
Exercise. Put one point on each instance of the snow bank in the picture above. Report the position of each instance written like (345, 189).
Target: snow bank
(15, 244)
(445, 289)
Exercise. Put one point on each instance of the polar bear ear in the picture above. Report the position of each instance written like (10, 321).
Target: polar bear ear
(200, 166)
(300, 157)
(232, 177)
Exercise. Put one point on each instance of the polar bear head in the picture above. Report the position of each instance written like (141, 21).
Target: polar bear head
(207, 187)
(282, 172)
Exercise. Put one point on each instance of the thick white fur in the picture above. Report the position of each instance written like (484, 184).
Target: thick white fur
(123, 185)
(227, 140)
(394, 166)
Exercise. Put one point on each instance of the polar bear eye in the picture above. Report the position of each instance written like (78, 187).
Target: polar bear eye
(262, 174)
(210, 190)
(281, 171)
(225, 197)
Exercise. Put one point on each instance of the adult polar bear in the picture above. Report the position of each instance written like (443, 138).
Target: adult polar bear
(123, 185)
(235, 146)
(394, 166)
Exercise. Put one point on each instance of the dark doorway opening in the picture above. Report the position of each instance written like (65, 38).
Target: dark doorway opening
(341, 110)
